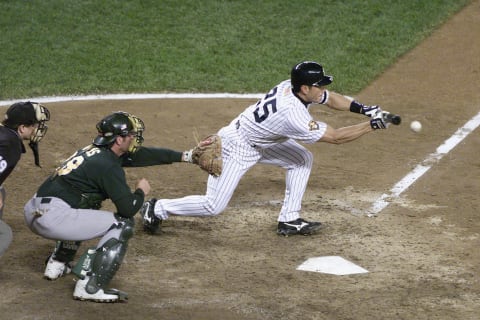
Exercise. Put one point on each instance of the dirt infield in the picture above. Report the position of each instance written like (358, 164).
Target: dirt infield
(422, 251)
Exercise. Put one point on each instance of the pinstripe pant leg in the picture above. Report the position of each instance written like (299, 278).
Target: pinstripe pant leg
(298, 161)
(219, 192)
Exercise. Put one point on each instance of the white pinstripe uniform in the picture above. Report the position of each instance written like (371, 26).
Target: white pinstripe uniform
(265, 132)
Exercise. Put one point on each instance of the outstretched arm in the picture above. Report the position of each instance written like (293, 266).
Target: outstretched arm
(340, 102)
(150, 156)
(379, 120)
(346, 134)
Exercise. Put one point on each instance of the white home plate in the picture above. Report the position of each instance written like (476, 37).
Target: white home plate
(332, 265)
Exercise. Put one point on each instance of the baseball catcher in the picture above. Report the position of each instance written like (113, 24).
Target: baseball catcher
(67, 206)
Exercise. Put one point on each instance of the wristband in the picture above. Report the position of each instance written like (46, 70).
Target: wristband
(357, 107)
(187, 156)
(324, 97)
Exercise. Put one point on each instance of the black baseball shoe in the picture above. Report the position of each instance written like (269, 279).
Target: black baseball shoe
(299, 226)
(151, 223)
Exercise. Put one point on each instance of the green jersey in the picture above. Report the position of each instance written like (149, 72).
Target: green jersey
(94, 174)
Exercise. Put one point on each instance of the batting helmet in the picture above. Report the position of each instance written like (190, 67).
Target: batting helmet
(308, 73)
(119, 124)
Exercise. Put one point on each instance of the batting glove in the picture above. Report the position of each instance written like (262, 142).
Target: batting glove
(370, 111)
(379, 120)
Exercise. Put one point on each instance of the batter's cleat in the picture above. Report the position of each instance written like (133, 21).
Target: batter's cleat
(151, 223)
(55, 269)
(299, 226)
(105, 296)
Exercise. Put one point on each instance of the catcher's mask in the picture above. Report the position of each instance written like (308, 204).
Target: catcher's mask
(29, 113)
(309, 73)
(120, 124)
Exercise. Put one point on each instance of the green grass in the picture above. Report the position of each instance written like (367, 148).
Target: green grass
(90, 47)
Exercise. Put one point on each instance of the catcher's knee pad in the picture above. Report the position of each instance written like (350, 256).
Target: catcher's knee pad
(125, 226)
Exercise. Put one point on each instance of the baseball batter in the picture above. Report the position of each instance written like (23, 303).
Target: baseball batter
(66, 207)
(23, 121)
(267, 132)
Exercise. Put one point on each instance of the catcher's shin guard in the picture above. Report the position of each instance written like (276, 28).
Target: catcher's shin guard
(65, 251)
(104, 266)
(84, 263)
(58, 263)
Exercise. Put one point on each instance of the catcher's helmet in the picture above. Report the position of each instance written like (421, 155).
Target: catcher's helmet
(308, 73)
(119, 124)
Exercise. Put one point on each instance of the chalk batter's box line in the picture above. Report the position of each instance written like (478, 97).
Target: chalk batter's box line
(383, 201)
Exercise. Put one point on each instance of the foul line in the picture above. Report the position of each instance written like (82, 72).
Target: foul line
(135, 96)
(382, 202)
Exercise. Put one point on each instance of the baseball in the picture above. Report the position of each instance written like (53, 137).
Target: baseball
(416, 126)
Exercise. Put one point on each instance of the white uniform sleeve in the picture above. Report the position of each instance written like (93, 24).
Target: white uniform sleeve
(303, 128)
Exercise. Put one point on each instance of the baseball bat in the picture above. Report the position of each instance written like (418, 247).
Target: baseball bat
(393, 118)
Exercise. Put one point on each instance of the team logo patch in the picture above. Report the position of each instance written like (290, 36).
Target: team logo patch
(313, 125)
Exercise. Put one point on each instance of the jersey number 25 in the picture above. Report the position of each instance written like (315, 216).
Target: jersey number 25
(263, 106)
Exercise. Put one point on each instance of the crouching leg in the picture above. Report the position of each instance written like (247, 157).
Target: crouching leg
(96, 268)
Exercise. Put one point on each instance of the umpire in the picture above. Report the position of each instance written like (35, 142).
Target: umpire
(23, 121)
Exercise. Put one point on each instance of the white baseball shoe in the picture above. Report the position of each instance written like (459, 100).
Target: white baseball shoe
(108, 295)
(55, 269)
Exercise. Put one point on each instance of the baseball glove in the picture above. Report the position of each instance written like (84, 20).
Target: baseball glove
(207, 154)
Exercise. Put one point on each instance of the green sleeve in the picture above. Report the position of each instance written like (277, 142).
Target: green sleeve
(149, 156)
(128, 206)
(115, 185)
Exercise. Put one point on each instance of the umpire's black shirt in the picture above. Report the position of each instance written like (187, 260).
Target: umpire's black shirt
(11, 148)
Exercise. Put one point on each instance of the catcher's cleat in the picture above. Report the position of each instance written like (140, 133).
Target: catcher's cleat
(151, 223)
(107, 295)
(299, 226)
(55, 269)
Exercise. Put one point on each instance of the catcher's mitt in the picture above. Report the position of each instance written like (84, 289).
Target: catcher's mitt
(207, 154)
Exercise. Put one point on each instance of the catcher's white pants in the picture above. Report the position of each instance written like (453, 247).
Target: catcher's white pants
(56, 220)
(238, 157)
